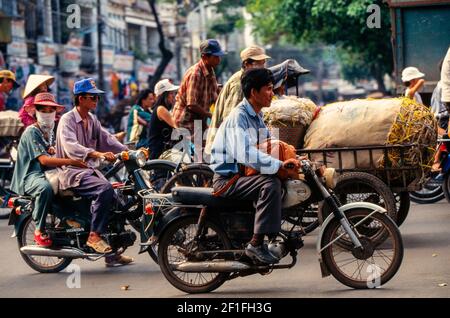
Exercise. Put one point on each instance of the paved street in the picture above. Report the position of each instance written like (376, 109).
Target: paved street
(426, 232)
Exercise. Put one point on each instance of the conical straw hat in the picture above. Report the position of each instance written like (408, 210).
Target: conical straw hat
(34, 81)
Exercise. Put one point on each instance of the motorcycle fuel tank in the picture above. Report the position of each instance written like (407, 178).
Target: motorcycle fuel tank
(297, 191)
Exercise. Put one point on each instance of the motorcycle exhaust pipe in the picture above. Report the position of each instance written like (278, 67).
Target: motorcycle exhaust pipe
(210, 266)
(62, 252)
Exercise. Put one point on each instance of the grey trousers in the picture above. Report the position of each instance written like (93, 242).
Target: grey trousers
(102, 194)
(264, 191)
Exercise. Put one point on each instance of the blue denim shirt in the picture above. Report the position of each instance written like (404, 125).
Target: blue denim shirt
(236, 140)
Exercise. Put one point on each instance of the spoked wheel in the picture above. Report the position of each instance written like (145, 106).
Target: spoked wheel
(431, 192)
(190, 177)
(42, 264)
(158, 173)
(305, 221)
(177, 246)
(373, 265)
(362, 187)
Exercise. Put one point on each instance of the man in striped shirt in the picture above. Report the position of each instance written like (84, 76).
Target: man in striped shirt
(198, 90)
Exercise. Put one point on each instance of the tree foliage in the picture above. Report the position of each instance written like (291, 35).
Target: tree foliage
(341, 22)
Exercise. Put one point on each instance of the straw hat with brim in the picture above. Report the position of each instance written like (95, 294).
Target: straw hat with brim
(44, 99)
(34, 81)
(255, 53)
(9, 75)
(411, 73)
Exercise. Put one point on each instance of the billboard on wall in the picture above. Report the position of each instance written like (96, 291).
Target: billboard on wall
(47, 54)
(18, 46)
(108, 57)
(70, 59)
(123, 63)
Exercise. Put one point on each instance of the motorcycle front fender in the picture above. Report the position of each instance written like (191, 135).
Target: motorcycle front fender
(344, 208)
(158, 163)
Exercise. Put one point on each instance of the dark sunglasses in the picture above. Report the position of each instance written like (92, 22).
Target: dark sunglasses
(92, 97)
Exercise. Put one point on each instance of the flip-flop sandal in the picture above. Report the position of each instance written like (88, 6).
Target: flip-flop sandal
(100, 247)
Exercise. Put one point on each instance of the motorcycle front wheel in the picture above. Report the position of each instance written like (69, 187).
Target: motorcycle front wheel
(42, 264)
(175, 247)
(373, 265)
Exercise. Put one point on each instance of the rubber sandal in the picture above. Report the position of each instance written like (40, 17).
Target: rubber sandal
(43, 240)
(118, 260)
(100, 246)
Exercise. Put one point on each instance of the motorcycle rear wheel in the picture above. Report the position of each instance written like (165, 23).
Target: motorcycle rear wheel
(380, 260)
(42, 264)
(178, 238)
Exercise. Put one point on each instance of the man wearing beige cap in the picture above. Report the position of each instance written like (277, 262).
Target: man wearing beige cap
(231, 94)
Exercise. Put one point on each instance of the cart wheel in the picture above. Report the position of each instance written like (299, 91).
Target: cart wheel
(362, 187)
(403, 202)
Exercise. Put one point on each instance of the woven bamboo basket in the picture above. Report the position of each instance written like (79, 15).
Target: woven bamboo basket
(292, 135)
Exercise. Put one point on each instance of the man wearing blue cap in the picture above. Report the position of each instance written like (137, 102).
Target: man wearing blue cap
(198, 89)
(81, 136)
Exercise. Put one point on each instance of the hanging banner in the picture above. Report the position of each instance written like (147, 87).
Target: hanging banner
(123, 63)
(46, 54)
(70, 59)
(18, 29)
(145, 70)
(108, 57)
(17, 48)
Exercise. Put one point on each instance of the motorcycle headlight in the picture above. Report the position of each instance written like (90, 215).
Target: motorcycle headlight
(141, 159)
(331, 177)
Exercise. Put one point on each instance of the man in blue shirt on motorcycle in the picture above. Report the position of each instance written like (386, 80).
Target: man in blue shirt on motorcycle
(235, 147)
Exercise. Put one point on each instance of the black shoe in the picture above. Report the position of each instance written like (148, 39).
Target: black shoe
(261, 254)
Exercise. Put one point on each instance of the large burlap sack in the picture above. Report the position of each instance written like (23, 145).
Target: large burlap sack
(289, 111)
(354, 123)
(288, 118)
(10, 124)
(377, 122)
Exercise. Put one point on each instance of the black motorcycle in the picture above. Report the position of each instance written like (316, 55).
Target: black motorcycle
(201, 238)
(68, 224)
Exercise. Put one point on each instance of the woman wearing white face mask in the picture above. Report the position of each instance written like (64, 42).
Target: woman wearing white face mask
(34, 156)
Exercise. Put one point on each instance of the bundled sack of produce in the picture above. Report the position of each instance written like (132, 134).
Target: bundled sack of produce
(10, 124)
(288, 118)
(375, 122)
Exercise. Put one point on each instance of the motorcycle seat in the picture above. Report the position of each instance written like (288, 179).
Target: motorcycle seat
(204, 196)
